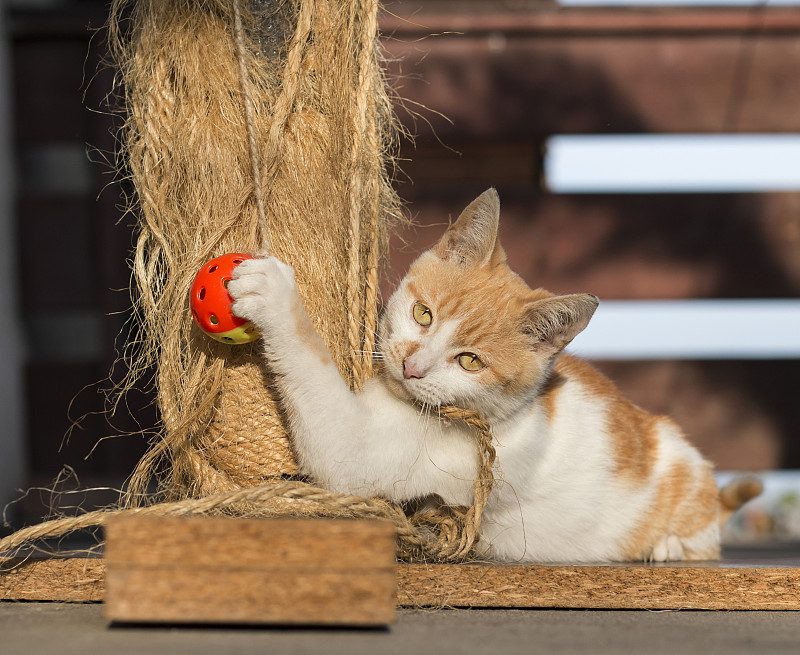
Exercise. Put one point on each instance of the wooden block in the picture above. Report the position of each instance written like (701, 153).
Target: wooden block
(279, 571)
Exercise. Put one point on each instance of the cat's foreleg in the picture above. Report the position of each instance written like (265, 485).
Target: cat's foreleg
(324, 415)
(366, 444)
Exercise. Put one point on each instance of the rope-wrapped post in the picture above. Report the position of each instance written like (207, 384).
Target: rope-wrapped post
(220, 171)
(247, 155)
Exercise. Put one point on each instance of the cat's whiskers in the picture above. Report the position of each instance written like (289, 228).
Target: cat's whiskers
(375, 354)
(423, 416)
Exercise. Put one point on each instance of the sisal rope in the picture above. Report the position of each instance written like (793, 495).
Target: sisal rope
(247, 97)
(224, 470)
(290, 90)
(447, 536)
(362, 348)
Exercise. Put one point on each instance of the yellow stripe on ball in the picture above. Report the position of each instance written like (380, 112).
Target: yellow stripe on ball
(242, 334)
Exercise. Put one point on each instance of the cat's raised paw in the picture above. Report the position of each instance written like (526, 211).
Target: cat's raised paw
(262, 289)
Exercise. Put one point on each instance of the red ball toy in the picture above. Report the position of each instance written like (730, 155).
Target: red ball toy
(211, 302)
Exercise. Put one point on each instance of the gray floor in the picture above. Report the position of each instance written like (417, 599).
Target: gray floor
(64, 629)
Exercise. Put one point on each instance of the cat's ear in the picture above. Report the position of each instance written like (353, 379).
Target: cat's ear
(472, 239)
(553, 322)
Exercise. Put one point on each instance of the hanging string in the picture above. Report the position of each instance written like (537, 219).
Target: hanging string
(244, 81)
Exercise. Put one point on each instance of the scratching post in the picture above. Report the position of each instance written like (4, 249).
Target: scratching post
(256, 127)
(260, 127)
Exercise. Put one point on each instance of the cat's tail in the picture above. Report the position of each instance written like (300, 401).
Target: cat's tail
(736, 493)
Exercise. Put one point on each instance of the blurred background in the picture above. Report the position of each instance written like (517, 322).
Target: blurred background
(647, 154)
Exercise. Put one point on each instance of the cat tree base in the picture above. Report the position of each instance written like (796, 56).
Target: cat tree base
(711, 586)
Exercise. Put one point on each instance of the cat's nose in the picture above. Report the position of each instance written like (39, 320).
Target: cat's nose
(410, 371)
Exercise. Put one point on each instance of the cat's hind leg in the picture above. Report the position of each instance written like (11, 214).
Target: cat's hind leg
(702, 545)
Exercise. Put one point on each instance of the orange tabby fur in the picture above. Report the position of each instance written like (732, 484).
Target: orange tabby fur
(687, 501)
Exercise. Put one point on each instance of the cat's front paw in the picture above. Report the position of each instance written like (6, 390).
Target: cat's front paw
(668, 549)
(263, 291)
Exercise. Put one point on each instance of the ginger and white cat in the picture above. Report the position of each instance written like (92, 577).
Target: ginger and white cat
(581, 474)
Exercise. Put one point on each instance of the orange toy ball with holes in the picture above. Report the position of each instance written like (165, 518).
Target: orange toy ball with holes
(211, 302)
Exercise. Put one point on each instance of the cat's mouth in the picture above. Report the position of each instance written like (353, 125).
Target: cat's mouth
(423, 392)
(416, 390)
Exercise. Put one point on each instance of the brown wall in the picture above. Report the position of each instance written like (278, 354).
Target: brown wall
(506, 75)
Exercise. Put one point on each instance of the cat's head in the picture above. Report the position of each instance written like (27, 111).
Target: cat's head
(463, 329)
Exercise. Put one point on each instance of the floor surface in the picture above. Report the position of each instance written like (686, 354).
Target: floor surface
(66, 629)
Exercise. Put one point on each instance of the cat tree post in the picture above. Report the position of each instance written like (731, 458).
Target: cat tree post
(320, 120)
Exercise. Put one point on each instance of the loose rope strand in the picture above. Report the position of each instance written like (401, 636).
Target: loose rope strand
(247, 98)
(448, 536)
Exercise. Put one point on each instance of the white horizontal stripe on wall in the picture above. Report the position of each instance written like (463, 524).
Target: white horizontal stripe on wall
(692, 329)
(672, 163)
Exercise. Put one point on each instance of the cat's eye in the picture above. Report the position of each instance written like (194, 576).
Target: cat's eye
(470, 362)
(422, 314)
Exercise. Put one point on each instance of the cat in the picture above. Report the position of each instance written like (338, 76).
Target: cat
(581, 474)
